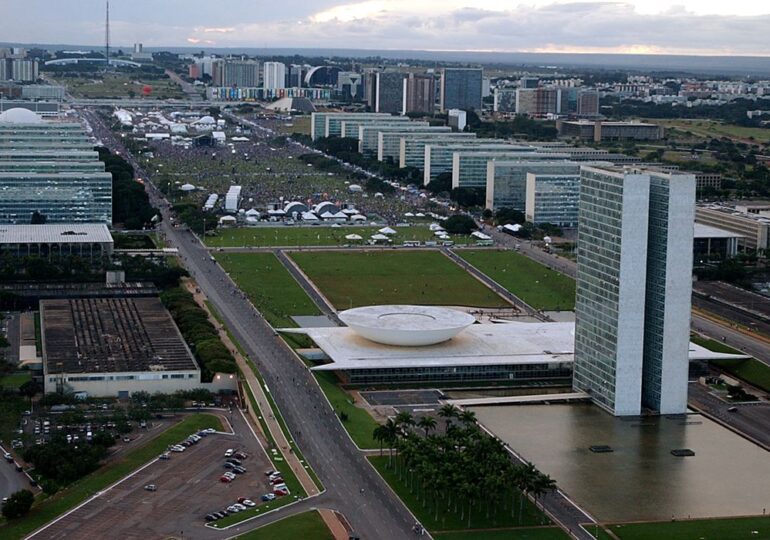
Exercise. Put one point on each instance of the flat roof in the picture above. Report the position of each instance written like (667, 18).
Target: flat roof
(707, 231)
(478, 345)
(97, 335)
(66, 233)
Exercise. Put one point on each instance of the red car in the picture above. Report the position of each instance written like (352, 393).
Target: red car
(225, 479)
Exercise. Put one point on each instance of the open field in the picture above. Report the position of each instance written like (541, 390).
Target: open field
(450, 520)
(713, 345)
(284, 236)
(49, 508)
(119, 85)
(308, 525)
(537, 285)
(702, 529)
(394, 277)
(712, 129)
(299, 124)
(524, 533)
(360, 424)
(269, 286)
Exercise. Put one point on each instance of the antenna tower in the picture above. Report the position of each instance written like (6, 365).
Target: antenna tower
(107, 36)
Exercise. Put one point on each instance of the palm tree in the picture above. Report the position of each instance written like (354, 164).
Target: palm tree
(405, 418)
(391, 436)
(542, 484)
(380, 434)
(426, 423)
(448, 412)
(467, 417)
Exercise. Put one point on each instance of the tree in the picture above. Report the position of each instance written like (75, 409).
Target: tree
(18, 504)
(460, 224)
(426, 423)
(37, 218)
(447, 412)
(442, 183)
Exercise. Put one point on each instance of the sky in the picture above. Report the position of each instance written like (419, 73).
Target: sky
(703, 27)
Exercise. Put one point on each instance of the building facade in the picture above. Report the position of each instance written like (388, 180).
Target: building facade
(388, 92)
(553, 198)
(419, 94)
(238, 73)
(460, 88)
(634, 267)
(274, 75)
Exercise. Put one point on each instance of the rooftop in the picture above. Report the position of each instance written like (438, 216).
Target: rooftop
(97, 335)
(69, 233)
(707, 231)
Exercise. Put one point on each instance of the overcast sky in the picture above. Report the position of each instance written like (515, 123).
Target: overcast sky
(633, 26)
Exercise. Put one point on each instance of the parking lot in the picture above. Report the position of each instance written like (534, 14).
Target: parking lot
(187, 488)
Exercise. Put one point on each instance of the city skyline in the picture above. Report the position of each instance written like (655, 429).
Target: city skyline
(630, 27)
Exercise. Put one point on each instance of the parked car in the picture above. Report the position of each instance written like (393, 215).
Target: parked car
(164, 455)
(229, 452)
(210, 517)
(210, 430)
(276, 481)
(151, 487)
(268, 497)
(238, 470)
(228, 465)
(248, 502)
(225, 479)
(240, 507)
(126, 439)
(241, 455)
(8, 457)
(233, 461)
(270, 472)
(233, 509)
(230, 475)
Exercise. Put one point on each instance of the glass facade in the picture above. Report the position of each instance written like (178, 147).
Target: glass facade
(438, 154)
(368, 136)
(389, 142)
(412, 152)
(506, 182)
(461, 89)
(349, 128)
(61, 197)
(318, 121)
(553, 199)
(556, 372)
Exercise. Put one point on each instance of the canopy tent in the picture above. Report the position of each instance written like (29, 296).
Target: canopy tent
(387, 230)
(187, 187)
(380, 238)
(353, 237)
(409, 214)
(435, 227)
(480, 235)
(358, 217)
(309, 216)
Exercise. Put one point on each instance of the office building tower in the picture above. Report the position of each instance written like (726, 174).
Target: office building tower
(539, 101)
(529, 82)
(460, 89)
(274, 76)
(386, 94)
(504, 100)
(23, 70)
(587, 103)
(552, 198)
(419, 94)
(350, 85)
(634, 272)
(295, 75)
(240, 73)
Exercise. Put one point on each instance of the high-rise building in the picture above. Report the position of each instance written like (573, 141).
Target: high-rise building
(634, 271)
(587, 103)
(529, 82)
(504, 100)
(19, 70)
(295, 75)
(539, 101)
(350, 85)
(240, 73)
(419, 93)
(386, 94)
(274, 75)
(460, 89)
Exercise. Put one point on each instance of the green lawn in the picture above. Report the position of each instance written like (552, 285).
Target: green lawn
(360, 423)
(704, 529)
(118, 85)
(710, 128)
(314, 236)
(352, 279)
(451, 520)
(15, 380)
(523, 533)
(308, 525)
(270, 287)
(713, 345)
(538, 286)
(750, 370)
(51, 507)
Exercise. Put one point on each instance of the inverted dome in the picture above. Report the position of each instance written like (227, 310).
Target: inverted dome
(406, 326)
(17, 115)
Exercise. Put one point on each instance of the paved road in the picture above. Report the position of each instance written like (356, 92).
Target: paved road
(10, 480)
(319, 300)
(750, 419)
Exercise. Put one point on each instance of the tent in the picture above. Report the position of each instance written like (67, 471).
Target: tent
(435, 227)
(188, 187)
(353, 237)
(409, 214)
(387, 230)
(227, 220)
(480, 235)
(252, 213)
(380, 238)
(419, 214)
(336, 226)
(341, 216)
(309, 216)
(355, 188)
(358, 217)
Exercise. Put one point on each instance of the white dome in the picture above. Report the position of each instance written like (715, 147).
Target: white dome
(17, 115)
(406, 326)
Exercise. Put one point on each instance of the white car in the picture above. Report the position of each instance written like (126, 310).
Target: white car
(249, 502)
(210, 430)
(229, 452)
(177, 448)
(233, 509)
(239, 506)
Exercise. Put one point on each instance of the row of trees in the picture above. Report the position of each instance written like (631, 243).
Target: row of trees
(199, 333)
(460, 470)
(130, 202)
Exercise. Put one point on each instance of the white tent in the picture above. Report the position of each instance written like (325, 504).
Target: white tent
(252, 213)
(349, 211)
(327, 215)
(435, 227)
(419, 214)
(276, 212)
(358, 217)
(355, 188)
(387, 230)
(379, 195)
(227, 220)
(547, 239)
(380, 237)
(309, 216)
(188, 187)
(353, 237)
(409, 214)
(341, 216)
(439, 233)
(336, 226)
(480, 235)
(512, 228)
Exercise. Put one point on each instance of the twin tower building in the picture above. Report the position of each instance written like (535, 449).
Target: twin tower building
(634, 282)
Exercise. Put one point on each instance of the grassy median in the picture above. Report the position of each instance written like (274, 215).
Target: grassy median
(307, 525)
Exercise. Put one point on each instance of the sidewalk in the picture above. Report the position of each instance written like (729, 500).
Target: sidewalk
(259, 395)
